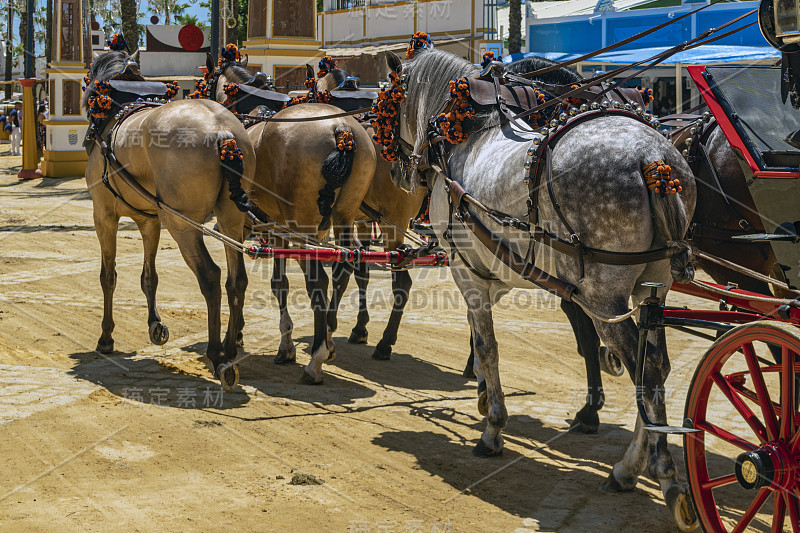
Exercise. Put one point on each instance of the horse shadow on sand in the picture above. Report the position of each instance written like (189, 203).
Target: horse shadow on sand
(402, 370)
(555, 483)
(152, 379)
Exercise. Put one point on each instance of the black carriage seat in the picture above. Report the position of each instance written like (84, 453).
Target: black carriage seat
(348, 97)
(751, 98)
(249, 98)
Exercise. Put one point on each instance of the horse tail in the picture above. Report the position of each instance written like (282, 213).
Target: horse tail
(335, 169)
(232, 164)
(670, 218)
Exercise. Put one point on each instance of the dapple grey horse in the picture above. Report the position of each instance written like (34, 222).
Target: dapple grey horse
(598, 181)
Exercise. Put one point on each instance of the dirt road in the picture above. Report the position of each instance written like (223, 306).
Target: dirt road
(143, 440)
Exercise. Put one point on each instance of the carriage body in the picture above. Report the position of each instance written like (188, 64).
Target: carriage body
(746, 102)
(744, 461)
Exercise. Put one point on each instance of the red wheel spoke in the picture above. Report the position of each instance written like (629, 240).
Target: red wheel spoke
(727, 436)
(737, 402)
(778, 512)
(794, 515)
(764, 401)
(719, 481)
(787, 394)
(759, 500)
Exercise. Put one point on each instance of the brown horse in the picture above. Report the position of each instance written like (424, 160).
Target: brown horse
(173, 151)
(724, 208)
(397, 206)
(307, 181)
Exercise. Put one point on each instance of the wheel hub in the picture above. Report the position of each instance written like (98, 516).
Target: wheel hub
(769, 466)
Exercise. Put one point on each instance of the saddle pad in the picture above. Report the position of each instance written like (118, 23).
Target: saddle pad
(482, 93)
(142, 89)
(248, 98)
(351, 100)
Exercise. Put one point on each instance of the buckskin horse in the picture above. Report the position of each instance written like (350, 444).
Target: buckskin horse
(597, 189)
(171, 152)
(311, 175)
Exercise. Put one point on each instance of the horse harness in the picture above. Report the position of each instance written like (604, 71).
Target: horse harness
(129, 97)
(623, 102)
(697, 156)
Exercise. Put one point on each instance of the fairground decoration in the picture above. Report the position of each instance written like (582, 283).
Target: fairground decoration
(488, 57)
(658, 177)
(420, 41)
(452, 122)
(326, 64)
(386, 108)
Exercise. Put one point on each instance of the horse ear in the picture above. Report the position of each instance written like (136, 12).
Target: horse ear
(393, 61)
(210, 63)
(309, 71)
(244, 60)
(135, 56)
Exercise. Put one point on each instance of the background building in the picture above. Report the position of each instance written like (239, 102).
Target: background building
(567, 29)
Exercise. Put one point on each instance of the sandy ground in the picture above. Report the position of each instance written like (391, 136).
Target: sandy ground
(144, 440)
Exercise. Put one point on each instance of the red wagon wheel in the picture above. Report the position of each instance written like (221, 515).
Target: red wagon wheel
(748, 453)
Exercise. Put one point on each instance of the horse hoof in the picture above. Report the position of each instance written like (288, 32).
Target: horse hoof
(610, 363)
(483, 404)
(159, 333)
(105, 346)
(308, 379)
(358, 336)
(586, 421)
(331, 357)
(682, 508)
(228, 376)
(482, 450)
(612, 485)
(383, 352)
(469, 371)
(285, 356)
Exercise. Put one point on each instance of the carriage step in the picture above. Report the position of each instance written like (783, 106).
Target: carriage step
(687, 427)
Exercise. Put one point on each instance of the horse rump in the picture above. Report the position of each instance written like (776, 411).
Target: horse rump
(232, 164)
(335, 169)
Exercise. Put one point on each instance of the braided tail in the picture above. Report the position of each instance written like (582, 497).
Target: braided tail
(335, 169)
(670, 217)
(232, 163)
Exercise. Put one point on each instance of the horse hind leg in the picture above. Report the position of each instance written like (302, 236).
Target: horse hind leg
(106, 229)
(359, 334)
(231, 224)
(150, 228)
(401, 286)
(341, 273)
(208, 274)
(587, 420)
(317, 287)
(648, 450)
(287, 353)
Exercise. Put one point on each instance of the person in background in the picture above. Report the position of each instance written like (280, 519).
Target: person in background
(41, 129)
(13, 125)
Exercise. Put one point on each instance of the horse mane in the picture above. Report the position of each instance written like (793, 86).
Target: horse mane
(428, 76)
(339, 76)
(103, 69)
(238, 70)
(560, 76)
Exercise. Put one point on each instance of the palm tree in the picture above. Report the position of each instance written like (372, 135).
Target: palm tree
(130, 26)
(514, 27)
(9, 47)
